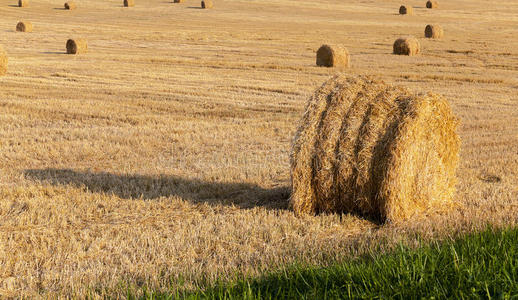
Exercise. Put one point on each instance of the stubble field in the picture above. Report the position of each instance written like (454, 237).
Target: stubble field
(160, 158)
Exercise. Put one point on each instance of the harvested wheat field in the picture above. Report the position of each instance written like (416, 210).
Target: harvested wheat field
(161, 158)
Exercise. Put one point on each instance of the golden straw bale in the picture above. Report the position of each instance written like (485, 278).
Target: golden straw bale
(3, 61)
(406, 10)
(129, 3)
(178, 1)
(433, 31)
(76, 46)
(23, 3)
(366, 147)
(432, 4)
(207, 4)
(70, 5)
(24, 26)
(407, 46)
(333, 56)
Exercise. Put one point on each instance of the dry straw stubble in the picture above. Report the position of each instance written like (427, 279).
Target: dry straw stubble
(406, 10)
(370, 148)
(24, 26)
(432, 4)
(433, 31)
(407, 46)
(77, 46)
(207, 4)
(129, 3)
(3, 61)
(70, 5)
(333, 56)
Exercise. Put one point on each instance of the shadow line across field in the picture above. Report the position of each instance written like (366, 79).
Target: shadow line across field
(243, 195)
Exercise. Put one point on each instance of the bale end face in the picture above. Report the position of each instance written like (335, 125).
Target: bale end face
(129, 3)
(70, 5)
(76, 46)
(207, 4)
(3, 61)
(333, 56)
(23, 3)
(406, 10)
(432, 4)
(433, 32)
(24, 26)
(407, 46)
(381, 151)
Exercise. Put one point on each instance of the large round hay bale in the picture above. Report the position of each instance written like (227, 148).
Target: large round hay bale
(129, 3)
(406, 10)
(433, 31)
(24, 26)
(76, 46)
(3, 61)
(23, 3)
(333, 56)
(381, 151)
(407, 46)
(178, 1)
(207, 4)
(70, 5)
(432, 4)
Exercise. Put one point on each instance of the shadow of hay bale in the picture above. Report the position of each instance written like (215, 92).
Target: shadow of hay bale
(243, 195)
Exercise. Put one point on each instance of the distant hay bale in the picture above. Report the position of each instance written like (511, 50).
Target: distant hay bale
(3, 61)
(333, 56)
(70, 5)
(178, 1)
(207, 4)
(24, 26)
(76, 46)
(407, 46)
(432, 4)
(433, 31)
(129, 3)
(23, 3)
(366, 147)
(406, 10)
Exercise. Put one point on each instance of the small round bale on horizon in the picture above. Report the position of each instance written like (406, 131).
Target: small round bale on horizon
(3, 61)
(406, 10)
(24, 26)
(432, 4)
(178, 1)
(23, 3)
(407, 46)
(129, 3)
(76, 46)
(207, 4)
(433, 31)
(70, 5)
(370, 148)
(333, 56)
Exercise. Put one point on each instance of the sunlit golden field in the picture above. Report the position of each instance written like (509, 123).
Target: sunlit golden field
(160, 158)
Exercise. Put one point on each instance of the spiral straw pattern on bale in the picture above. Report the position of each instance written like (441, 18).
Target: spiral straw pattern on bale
(432, 4)
(377, 150)
(406, 46)
(406, 10)
(77, 46)
(433, 31)
(333, 56)
(70, 5)
(24, 26)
